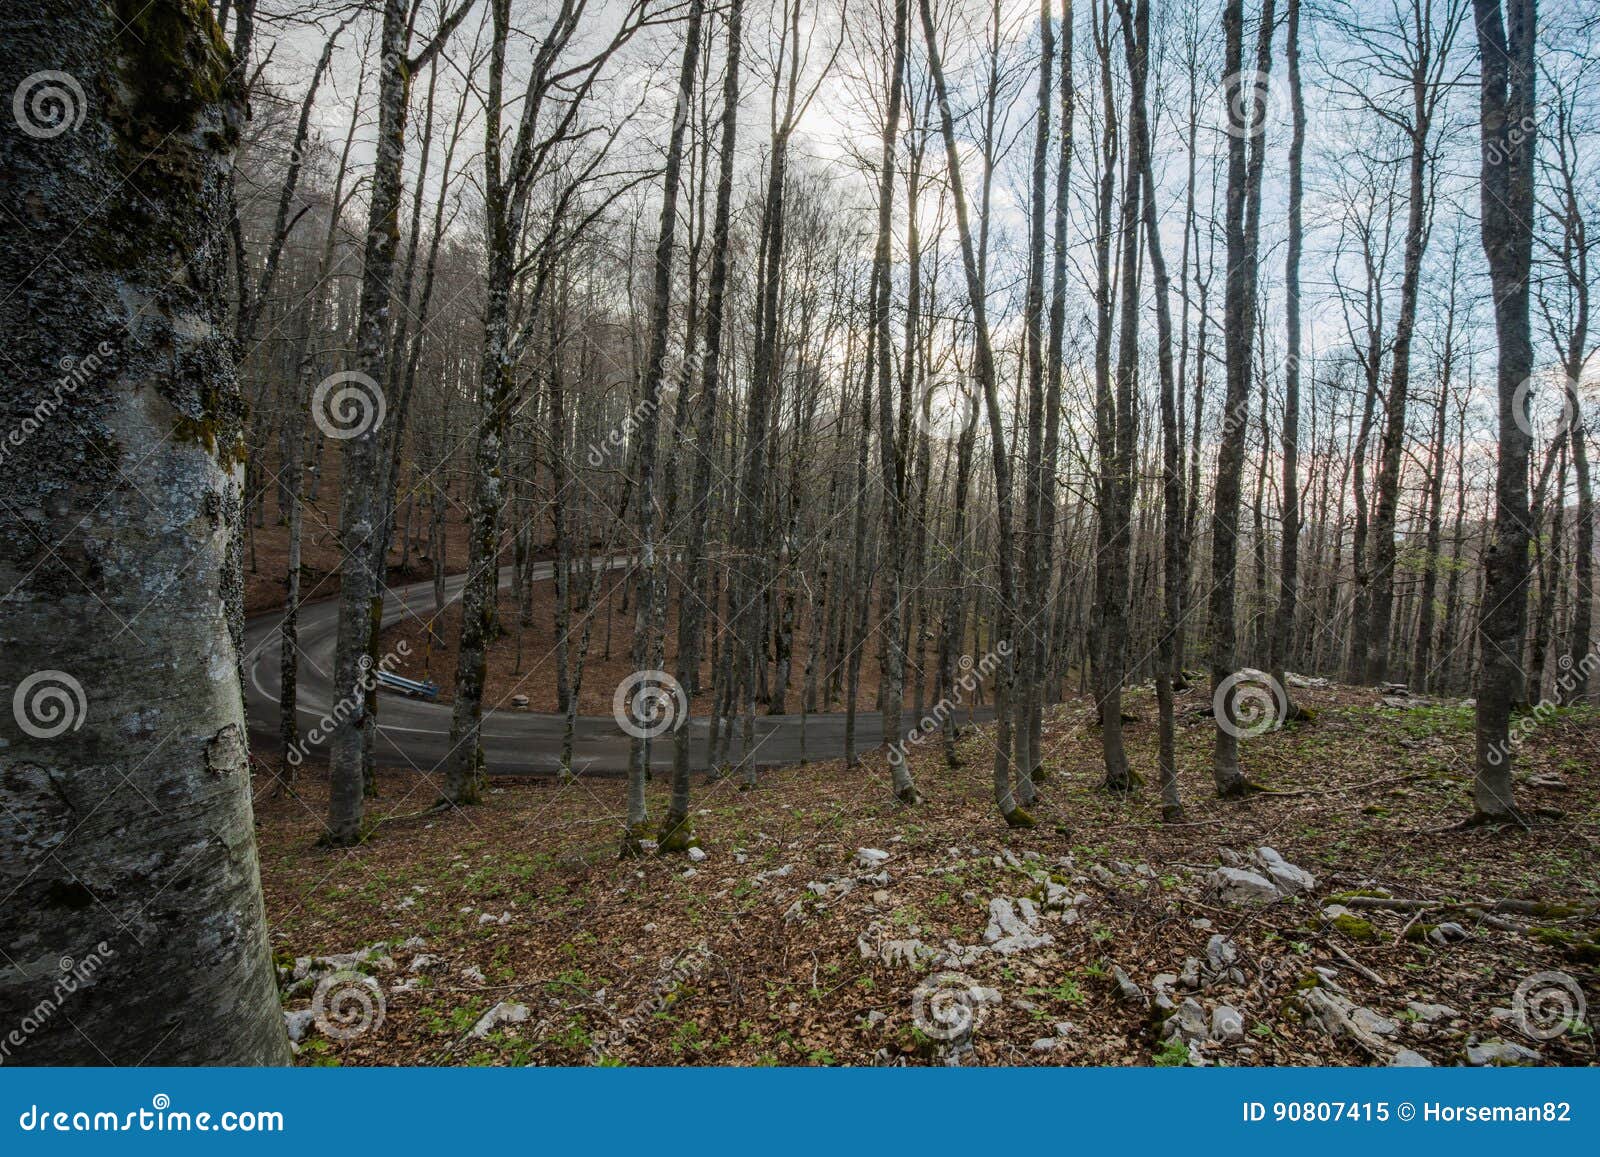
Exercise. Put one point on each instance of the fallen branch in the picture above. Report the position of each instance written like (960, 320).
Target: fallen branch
(1549, 909)
(1356, 964)
(1304, 791)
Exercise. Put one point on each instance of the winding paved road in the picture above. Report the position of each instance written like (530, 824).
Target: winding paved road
(416, 734)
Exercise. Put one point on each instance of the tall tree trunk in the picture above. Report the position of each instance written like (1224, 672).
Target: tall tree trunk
(691, 607)
(1051, 451)
(1507, 123)
(647, 642)
(1243, 210)
(360, 509)
(1289, 499)
(892, 449)
(1034, 621)
(135, 487)
(1004, 793)
(1118, 440)
(1136, 41)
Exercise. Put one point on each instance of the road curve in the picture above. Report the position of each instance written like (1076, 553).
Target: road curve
(416, 734)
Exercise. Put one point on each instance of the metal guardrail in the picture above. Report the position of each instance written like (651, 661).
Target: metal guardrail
(422, 690)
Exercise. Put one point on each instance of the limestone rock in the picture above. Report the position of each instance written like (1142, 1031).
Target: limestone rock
(298, 1022)
(1373, 1022)
(1290, 879)
(506, 1012)
(1431, 1013)
(1241, 886)
(1502, 1053)
(1227, 1024)
(1127, 989)
(1188, 1023)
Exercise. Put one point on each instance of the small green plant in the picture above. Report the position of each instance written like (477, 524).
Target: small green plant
(1173, 1054)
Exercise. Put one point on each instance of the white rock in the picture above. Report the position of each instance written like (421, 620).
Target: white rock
(1431, 1013)
(1045, 1044)
(697, 854)
(1239, 886)
(1221, 953)
(905, 953)
(506, 1012)
(1227, 1023)
(1499, 1052)
(1291, 880)
(1189, 1022)
(1373, 1022)
(1190, 976)
(1127, 989)
(1406, 1059)
(298, 1022)
(473, 973)
(871, 858)
(1002, 921)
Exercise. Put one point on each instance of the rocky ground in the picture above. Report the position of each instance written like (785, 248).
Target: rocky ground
(1341, 917)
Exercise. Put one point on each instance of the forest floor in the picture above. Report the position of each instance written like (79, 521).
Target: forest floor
(510, 933)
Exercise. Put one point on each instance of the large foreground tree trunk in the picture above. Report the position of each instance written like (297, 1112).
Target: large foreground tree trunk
(130, 863)
(1507, 126)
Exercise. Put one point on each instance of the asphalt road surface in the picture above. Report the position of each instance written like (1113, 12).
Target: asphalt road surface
(416, 734)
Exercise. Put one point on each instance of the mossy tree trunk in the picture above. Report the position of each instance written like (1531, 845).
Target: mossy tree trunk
(124, 777)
